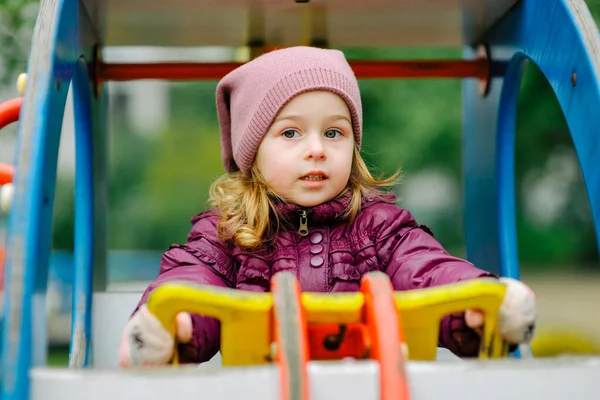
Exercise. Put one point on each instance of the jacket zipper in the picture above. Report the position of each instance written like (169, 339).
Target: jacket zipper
(303, 231)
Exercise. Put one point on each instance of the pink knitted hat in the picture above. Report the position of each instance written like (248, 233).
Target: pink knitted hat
(250, 97)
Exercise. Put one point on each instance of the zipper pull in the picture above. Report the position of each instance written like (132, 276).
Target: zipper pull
(303, 231)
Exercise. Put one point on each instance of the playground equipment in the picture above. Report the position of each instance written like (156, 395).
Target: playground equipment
(498, 37)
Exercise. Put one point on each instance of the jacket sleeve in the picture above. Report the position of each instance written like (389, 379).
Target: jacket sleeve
(204, 260)
(414, 259)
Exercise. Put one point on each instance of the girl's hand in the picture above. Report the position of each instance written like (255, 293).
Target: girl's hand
(517, 313)
(145, 342)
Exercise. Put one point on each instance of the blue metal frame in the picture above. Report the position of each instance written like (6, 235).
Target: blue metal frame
(562, 39)
(62, 35)
(509, 253)
(84, 218)
(30, 219)
(90, 264)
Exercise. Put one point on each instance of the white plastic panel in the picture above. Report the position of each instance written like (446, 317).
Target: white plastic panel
(551, 379)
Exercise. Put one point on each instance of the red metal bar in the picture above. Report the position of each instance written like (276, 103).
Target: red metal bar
(9, 111)
(6, 173)
(476, 68)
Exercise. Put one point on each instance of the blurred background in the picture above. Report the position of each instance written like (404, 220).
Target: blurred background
(164, 153)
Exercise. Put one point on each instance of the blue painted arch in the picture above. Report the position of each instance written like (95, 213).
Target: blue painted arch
(54, 52)
(562, 39)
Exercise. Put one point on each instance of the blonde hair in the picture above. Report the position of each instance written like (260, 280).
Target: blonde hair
(246, 205)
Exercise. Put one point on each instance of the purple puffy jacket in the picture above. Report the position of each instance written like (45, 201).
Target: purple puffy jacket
(331, 258)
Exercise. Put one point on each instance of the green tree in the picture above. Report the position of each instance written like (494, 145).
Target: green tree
(17, 19)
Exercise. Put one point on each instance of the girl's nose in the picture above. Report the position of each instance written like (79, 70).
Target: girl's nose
(315, 147)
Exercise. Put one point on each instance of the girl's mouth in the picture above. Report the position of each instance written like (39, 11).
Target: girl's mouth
(315, 175)
(313, 178)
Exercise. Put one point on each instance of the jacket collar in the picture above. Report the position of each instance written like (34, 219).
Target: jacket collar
(331, 210)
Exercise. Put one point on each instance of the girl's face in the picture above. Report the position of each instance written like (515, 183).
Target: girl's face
(306, 155)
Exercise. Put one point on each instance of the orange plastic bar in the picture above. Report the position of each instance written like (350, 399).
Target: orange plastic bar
(381, 317)
(9, 111)
(291, 337)
(476, 68)
(6, 173)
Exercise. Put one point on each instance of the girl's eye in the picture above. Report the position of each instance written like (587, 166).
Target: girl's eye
(290, 133)
(332, 133)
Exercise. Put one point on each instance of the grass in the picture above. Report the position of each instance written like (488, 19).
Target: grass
(58, 356)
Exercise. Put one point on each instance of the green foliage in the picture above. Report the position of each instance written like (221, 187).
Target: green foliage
(17, 18)
(174, 188)
(541, 134)
(406, 122)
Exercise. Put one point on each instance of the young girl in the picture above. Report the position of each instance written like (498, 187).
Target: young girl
(298, 197)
